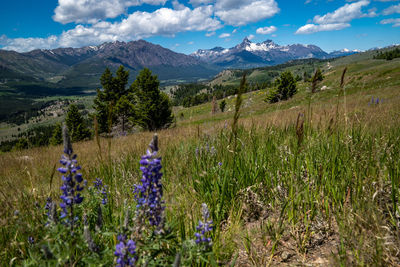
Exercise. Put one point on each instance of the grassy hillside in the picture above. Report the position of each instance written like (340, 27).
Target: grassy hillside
(309, 181)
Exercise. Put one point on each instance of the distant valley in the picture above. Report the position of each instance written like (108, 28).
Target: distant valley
(28, 79)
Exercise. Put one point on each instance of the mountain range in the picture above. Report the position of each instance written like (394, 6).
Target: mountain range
(267, 53)
(80, 68)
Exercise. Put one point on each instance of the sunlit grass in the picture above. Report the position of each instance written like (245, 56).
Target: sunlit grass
(330, 198)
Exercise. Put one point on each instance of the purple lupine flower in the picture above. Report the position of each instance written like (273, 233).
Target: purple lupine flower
(51, 211)
(372, 100)
(125, 252)
(220, 164)
(31, 240)
(149, 194)
(377, 100)
(204, 227)
(71, 178)
(101, 189)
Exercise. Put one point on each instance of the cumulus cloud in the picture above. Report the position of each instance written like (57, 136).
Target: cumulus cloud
(312, 28)
(337, 20)
(266, 30)
(392, 10)
(224, 35)
(343, 14)
(395, 22)
(163, 21)
(28, 44)
(93, 24)
(90, 11)
(177, 5)
(242, 12)
(200, 2)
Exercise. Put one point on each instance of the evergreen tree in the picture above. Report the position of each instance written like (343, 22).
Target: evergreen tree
(75, 124)
(222, 105)
(56, 137)
(113, 88)
(154, 107)
(126, 110)
(285, 88)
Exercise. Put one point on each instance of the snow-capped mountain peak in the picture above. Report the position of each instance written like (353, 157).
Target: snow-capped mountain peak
(249, 54)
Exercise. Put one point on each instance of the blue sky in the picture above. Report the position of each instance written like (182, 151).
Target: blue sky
(187, 25)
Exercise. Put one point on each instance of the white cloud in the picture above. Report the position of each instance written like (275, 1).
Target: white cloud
(28, 44)
(224, 35)
(90, 11)
(177, 5)
(190, 43)
(313, 28)
(338, 19)
(209, 34)
(391, 10)
(200, 2)
(234, 31)
(242, 12)
(251, 37)
(266, 30)
(343, 14)
(395, 22)
(137, 25)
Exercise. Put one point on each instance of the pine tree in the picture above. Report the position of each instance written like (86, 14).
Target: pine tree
(56, 137)
(154, 107)
(222, 105)
(75, 124)
(113, 88)
(126, 110)
(285, 88)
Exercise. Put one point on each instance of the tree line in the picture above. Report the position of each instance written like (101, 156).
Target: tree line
(388, 55)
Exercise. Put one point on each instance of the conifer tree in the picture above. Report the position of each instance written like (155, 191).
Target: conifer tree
(113, 88)
(76, 125)
(56, 138)
(154, 107)
(285, 88)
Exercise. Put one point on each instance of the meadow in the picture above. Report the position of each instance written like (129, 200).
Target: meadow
(309, 181)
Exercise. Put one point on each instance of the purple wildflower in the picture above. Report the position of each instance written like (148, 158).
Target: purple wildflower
(71, 178)
(204, 227)
(149, 194)
(125, 252)
(51, 211)
(101, 189)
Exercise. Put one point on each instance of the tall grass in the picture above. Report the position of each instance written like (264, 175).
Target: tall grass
(324, 194)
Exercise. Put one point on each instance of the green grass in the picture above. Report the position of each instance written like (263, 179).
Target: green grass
(321, 188)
